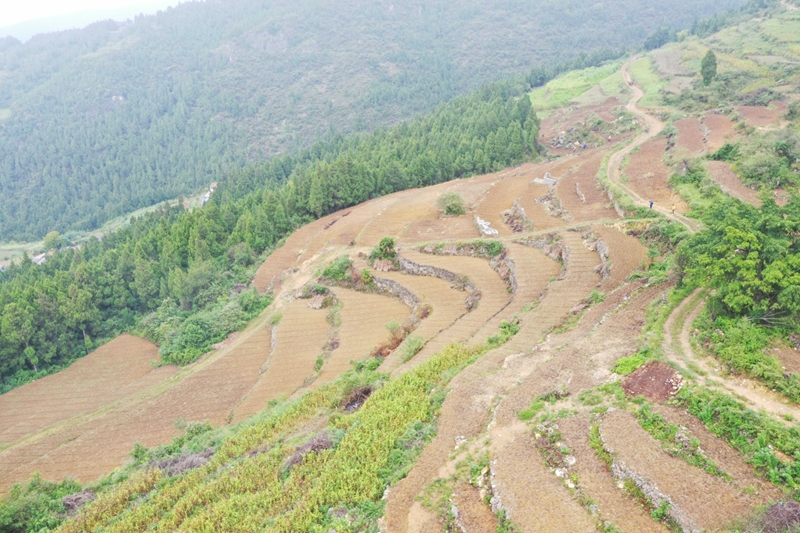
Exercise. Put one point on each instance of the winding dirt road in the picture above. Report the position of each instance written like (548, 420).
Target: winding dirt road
(654, 127)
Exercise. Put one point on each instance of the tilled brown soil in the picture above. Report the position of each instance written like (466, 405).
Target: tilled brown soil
(789, 358)
(648, 175)
(690, 135)
(762, 117)
(702, 500)
(729, 182)
(626, 254)
(720, 131)
(115, 370)
(364, 320)
(547, 505)
(743, 475)
(579, 192)
(474, 516)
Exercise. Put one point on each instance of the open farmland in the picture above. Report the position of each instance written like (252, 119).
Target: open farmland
(532, 420)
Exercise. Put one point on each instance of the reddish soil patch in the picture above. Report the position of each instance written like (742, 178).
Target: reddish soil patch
(655, 381)
(115, 370)
(648, 175)
(91, 449)
(729, 182)
(761, 117)
(720, 131)
(300, 338)
(690, 135)
(501, 197)
(473, 515)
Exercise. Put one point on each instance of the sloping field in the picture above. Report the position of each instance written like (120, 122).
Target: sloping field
(729, 182)
(547, 505)
(534, 271)
(88, 449)
(690, 135)
(648, 175)
(626, 254)
(494, 298)
(720, 131)
(113, 371)
(596, 479)
(762, 117)
(502, 194)
(299, 339)
(364, 319)
(579, 193)
(687, 486)
(447, 307)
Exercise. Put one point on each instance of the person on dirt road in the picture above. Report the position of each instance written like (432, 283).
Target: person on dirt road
(673, 209)
(651, 204)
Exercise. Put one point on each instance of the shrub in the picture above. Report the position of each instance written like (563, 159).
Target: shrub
(339, 270)
(451, 203)
(626, 365)
(384, 250)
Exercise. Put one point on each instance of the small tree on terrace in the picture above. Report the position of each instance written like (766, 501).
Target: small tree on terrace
(708, 67)
(451, 203)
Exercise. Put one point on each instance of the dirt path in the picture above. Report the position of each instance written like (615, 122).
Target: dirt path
(678, 348)
(654, 127)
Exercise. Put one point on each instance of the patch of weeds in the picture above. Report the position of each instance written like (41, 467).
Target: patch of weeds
(505, 525)
(275, 319)
(530, 412)
(339, 270)
(589, 398)
(531, 306)
(412, 347)
(676, 442)
(451, 204)
(596, 297)
(507, 330)
(334, 317)
(626, 365)
(318, 363)
(385, 249)
(596, 444)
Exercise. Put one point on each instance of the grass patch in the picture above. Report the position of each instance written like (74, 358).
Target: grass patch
(645, 76)
(558, 92)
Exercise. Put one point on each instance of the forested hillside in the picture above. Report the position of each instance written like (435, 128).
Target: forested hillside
(98, 122)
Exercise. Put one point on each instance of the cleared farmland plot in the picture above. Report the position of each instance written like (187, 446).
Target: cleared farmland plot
(364, 319)
(299, 339)
(626, 254)
(690, 135)
(687, 486)
(447, 306)
(117, 369)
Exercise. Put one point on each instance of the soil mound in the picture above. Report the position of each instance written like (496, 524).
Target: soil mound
(655, 381)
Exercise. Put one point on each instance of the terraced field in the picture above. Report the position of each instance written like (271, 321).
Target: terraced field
(570, 273)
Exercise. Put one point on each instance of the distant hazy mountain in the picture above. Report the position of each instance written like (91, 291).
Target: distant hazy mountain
(27, 29)
(116, 116)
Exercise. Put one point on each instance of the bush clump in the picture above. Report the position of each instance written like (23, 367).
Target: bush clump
(451, 203)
